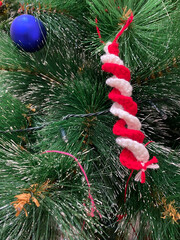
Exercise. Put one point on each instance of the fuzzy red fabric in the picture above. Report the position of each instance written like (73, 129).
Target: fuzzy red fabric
(114, 49)
(121, 130)
(128, 160)
(119, 71)
(127, 102)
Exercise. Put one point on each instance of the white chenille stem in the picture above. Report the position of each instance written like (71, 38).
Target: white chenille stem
(111, 58)
(106, 47)
(125, 88)
(131, 121)
(122, 85)
(135, 147)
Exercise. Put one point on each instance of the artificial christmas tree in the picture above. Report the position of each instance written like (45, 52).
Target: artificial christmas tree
(60, 175)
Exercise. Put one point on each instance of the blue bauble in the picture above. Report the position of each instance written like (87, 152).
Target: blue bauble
(28, 33)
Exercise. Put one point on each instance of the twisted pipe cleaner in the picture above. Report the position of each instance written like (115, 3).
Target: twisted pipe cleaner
(134, 156)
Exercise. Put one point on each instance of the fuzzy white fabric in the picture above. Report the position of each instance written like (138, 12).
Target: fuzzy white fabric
(111, 58)
(122, 85)
(135, 147)
(106, 47)
(131, 121)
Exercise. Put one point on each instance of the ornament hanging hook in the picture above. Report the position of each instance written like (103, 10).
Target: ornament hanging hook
(128, 22)
(98, 32)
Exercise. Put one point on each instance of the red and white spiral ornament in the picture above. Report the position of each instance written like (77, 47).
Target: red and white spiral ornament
(134, 156)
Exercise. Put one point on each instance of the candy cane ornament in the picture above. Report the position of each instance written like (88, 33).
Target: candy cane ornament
(134, 155)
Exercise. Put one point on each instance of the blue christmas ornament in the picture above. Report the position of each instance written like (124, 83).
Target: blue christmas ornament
(28, 33)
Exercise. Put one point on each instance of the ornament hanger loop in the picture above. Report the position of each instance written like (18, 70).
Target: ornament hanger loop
(128, 22)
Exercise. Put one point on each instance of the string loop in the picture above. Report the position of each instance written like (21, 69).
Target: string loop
(93, 206)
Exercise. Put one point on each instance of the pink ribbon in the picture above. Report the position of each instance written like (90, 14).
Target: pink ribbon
(93, 206)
